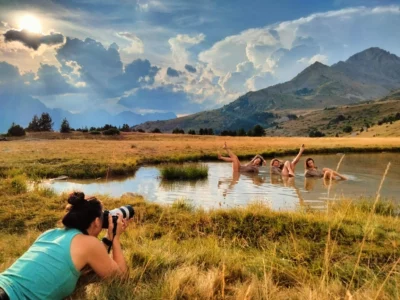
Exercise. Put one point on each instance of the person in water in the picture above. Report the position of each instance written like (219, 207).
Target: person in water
(311, 170)
(287, 168)
(51, 267)
(251, 167)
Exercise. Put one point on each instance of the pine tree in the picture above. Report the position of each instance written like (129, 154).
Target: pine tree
(45, 122)
(34, 124)
(65, 128)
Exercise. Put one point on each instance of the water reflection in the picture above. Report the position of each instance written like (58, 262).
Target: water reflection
(225, 189)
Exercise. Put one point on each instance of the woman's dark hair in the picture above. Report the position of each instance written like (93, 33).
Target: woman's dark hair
(280, 163)
(81, 212)
(261, 160)
(306, 163)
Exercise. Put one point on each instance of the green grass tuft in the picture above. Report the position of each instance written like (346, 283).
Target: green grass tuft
(189, 171)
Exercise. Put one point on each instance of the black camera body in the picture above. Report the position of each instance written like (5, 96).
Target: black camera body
(126, 211)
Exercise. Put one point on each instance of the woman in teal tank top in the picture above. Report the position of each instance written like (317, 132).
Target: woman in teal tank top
(52, 265)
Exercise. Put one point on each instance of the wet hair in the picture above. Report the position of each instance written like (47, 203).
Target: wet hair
(280, 163)
(81, 212)
(261, 161)
(306, 163)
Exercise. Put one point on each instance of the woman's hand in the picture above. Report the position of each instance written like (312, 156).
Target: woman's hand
(110, 234)
(122, 224)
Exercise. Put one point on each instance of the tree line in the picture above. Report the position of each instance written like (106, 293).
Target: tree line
(44, 123)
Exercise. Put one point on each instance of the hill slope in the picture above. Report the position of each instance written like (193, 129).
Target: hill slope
(367, 75)
(362, 118)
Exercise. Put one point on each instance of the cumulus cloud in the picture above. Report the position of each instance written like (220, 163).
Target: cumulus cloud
(101, 69)
(180, 44)
(51, 82)
(260, 81)
(235, 82)
(318, 57)
(136, 46)
(137, 73)
(8, 72)
(98, 64)
(280, 51)
(33, 40)
(47, 81)
(160, 99)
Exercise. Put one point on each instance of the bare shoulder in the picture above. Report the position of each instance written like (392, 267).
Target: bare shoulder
(87, 241)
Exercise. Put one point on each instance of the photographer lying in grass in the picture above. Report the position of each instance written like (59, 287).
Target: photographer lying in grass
(52, 265)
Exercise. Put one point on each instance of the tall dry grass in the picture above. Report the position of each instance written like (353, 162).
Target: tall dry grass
(179, 252)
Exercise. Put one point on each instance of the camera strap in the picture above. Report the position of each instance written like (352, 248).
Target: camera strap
(108, 243)
(110, 246)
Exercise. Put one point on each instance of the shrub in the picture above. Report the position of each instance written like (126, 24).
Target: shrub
(256, 131)
(15, 130)
(178, 131)
(348, 129)
(111, 131)
(316, 133)
(156, 130)
(95, 132)
(125, 128)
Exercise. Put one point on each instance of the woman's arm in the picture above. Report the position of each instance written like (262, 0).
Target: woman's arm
(98, 258)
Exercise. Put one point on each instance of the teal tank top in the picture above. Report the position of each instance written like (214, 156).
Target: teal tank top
(45, 271)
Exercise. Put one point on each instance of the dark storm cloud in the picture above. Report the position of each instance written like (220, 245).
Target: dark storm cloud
(172, 72)
(33, 40)
(190, 69)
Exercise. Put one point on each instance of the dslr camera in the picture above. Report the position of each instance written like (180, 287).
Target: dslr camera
(126, 211)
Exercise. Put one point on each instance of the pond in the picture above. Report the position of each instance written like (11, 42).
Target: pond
(222, 189)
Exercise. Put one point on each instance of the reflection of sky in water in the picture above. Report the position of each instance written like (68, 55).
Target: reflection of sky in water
(221, 189)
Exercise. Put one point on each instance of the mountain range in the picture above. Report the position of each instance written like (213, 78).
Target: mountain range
(370, 74)
(21, 109)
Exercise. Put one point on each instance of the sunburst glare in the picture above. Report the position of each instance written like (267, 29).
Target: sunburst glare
(30, 23)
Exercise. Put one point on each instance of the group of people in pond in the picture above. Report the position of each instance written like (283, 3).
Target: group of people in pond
(277, 167)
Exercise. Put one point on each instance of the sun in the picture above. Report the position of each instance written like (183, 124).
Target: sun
(30, 23)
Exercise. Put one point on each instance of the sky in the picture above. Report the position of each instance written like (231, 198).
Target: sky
(180, 56)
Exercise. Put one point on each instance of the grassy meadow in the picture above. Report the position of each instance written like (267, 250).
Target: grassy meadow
(350, 251)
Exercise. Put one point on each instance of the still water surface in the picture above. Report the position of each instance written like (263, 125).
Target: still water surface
(222, 189)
